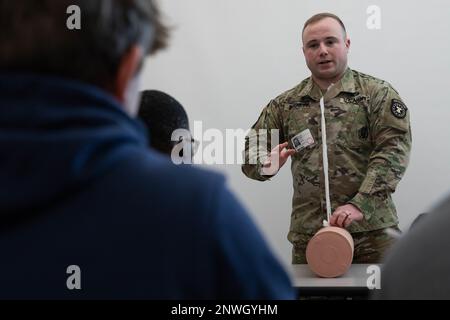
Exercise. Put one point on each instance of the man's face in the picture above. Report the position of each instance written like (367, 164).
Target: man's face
(325, 49)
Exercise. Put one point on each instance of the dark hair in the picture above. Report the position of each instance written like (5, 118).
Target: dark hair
(321, 16)
(34, 36)
(162, 115)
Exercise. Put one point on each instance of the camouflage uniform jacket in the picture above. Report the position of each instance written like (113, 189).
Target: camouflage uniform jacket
(368, 140)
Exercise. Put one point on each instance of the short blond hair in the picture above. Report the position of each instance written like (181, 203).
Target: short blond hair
(321, 16)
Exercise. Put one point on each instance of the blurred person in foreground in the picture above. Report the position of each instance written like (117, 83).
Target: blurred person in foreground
(87, 211)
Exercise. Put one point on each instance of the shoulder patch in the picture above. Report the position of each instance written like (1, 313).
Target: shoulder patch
(398, 109)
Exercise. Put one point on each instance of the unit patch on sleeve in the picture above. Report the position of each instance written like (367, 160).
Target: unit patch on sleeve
(398, 109)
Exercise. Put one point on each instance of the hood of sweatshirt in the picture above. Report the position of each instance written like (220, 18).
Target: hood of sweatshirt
(56, 135)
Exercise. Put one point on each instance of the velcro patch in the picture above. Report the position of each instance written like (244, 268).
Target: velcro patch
(398, 109)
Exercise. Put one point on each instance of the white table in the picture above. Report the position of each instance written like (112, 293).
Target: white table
(351, 284)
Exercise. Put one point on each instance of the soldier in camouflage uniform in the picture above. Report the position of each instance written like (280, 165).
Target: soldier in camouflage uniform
(368, 140)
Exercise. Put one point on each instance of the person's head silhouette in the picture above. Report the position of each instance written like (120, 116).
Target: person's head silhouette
(164, 116)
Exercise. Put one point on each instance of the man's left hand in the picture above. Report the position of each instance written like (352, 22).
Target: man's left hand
(343, 216)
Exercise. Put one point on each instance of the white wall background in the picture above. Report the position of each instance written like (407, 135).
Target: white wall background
(228, 58)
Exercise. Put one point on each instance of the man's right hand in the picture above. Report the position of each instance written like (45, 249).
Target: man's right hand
(277, 158)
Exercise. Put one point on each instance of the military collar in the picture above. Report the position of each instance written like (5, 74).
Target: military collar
(346, 84)
(311, 90)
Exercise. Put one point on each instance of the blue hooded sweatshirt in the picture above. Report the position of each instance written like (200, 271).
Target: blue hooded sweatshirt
(88, 212)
